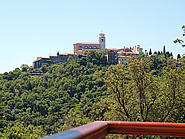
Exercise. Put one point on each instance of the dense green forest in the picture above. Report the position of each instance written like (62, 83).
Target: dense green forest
(36, 103)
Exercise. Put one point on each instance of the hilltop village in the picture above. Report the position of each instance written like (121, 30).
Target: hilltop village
(113, 55)
(49, 99)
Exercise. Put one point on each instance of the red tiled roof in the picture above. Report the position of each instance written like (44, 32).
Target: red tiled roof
(52, 55)
(76, 43)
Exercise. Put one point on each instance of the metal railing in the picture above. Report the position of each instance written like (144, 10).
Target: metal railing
(100, 129)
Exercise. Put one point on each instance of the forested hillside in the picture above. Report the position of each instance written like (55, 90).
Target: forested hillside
(59, 97)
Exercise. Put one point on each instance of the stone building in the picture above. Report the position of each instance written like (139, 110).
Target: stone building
(112, 57)
(40, 60)
(52, 59)
(122, 54)
(123, 59)
(80, 48)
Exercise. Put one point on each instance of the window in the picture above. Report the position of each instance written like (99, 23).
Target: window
(102, 40)
(86, 47)
(90, 46)
(95, 47)
(80, 47)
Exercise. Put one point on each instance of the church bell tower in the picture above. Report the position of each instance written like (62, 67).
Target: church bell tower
(101, 41)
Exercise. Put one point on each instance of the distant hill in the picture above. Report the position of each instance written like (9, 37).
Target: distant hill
(59, 97)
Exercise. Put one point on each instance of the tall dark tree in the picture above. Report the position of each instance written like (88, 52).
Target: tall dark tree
(178, 56)
(171, 54)
(155, 52)
(164, 50)
(150, 52)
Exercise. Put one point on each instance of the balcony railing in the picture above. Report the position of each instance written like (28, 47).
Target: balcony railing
(100, 129)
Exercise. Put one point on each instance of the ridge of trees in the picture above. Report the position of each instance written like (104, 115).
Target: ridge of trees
(164, 52)
(59, 97)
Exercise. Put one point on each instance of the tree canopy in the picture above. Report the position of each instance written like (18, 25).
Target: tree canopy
(141, 95)
(62, 96)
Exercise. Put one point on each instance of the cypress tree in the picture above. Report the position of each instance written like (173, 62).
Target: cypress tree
(150, 52)
(164, 51)
(178, 56)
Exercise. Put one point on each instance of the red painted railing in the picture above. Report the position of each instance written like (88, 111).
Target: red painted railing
(100, 129)
(146, 128)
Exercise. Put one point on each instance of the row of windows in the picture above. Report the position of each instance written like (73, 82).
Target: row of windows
(88, 47)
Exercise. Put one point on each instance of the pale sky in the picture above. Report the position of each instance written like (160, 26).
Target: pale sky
(31, 28)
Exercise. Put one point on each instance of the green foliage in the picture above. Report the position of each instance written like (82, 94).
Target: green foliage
(70, 58)
(75, 117)
(58, 97)
(94, 57)
(24, 67)
(141, 95)
(85, 52)
(141, 55)
(43, 69)
(45, 99)
(19, 131)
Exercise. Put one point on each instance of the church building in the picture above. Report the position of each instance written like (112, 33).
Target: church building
(80, 48)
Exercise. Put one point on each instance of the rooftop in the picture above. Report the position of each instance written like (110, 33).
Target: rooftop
(90, 42)
(128, 52)
(52, 55)
(66, 54)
